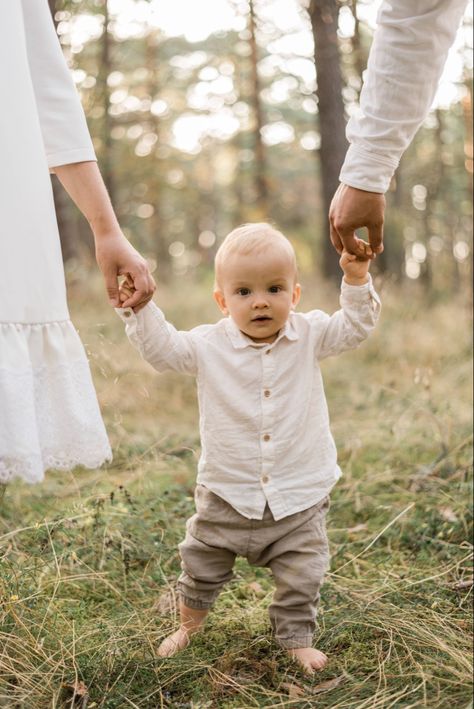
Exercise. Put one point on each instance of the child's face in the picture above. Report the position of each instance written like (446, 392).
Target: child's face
(258, 292)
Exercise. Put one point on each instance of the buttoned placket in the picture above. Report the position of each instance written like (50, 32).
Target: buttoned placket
(268, 417)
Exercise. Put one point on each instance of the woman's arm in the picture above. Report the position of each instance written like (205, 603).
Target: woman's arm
(69, 151)
(63, 125)
(115, 255)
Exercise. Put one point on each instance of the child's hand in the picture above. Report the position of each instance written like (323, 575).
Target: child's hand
(126, 290)
(355, 269)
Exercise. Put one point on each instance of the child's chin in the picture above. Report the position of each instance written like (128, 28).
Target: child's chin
(262, 335)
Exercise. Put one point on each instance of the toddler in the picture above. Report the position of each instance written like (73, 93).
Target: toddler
(268, 459)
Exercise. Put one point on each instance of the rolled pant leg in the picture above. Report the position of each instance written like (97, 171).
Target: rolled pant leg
(299, 562)
(205, 570)
(293, 608)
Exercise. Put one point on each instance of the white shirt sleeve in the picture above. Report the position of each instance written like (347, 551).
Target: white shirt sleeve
(63, 125)
(406, 60)
(348, 327)
(158, 342)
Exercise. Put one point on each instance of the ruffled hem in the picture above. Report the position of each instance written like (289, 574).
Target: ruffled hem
(49, 414)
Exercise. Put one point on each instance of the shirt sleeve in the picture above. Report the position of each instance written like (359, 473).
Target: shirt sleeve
(407, 57)
(349, 326)
(63, 125)
(158, 342)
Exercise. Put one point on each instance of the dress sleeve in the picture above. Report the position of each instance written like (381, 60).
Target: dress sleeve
(406, 60)
(63, 125)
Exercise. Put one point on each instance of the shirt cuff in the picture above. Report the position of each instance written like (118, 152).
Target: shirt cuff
(361, 294)
(148, 319)
(126, 315)
(366, 170)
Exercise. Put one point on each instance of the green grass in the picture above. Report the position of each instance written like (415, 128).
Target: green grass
(88, 560)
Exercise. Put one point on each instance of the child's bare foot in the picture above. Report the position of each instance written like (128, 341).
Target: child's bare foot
(174, 643)
(191, 621)
(309, 658)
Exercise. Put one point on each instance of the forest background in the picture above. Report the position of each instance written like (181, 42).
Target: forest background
(196, 133)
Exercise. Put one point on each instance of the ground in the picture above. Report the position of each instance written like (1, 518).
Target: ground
(88, 559)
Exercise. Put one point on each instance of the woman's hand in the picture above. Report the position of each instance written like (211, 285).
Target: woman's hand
(126, 292)
(117, 257)
(114, 253)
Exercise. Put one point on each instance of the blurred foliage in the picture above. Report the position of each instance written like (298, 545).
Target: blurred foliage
(173, 123)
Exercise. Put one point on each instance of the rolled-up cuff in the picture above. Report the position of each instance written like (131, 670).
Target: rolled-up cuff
(295, 642)
(366, 170)
(197, 604)
(355, 295)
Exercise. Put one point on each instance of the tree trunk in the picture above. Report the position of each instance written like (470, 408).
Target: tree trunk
(468, 154)
(324, 19)
(105, 68)
(260, 167)
(62, 203)
(157, 235)
(360, 60)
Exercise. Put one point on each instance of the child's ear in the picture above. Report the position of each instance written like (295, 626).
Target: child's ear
(220, 300)
(295, 298)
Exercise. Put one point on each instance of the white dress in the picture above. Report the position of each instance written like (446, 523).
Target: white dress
(49, 415)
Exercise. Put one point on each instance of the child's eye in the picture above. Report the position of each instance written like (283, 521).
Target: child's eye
(243, 291)
(274, 289)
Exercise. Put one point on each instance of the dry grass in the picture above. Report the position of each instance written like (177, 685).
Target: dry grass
(88, 560)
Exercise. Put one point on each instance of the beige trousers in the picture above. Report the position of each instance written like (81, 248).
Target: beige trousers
(295, 548)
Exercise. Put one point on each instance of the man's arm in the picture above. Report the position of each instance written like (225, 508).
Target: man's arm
(406, 60)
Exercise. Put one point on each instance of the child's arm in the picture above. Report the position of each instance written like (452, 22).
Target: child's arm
(159, 343)
(356, 271)
(360, 309)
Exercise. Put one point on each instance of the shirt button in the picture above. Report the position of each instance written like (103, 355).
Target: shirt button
(126, 313)
(266, 437)
(266, 392)
(268, 351)
(265, 479)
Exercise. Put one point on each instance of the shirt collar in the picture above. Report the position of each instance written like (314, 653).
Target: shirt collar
(240, 340)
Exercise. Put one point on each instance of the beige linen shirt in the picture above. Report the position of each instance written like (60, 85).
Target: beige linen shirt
(264, 420)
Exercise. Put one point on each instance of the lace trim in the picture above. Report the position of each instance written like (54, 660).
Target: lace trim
(19, 325)
(49, 414)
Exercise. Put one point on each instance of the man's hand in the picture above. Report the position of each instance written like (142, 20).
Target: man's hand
(117, 257)
(353, 209)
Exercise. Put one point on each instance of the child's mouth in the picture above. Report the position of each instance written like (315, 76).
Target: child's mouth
(262, 318)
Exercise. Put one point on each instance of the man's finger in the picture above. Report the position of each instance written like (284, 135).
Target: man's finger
(352, 244)
(376, 238)
(336, 241)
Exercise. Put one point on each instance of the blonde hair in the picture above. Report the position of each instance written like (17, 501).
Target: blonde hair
(252, 238)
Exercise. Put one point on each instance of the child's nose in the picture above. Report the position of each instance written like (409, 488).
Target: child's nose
(260, 301)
